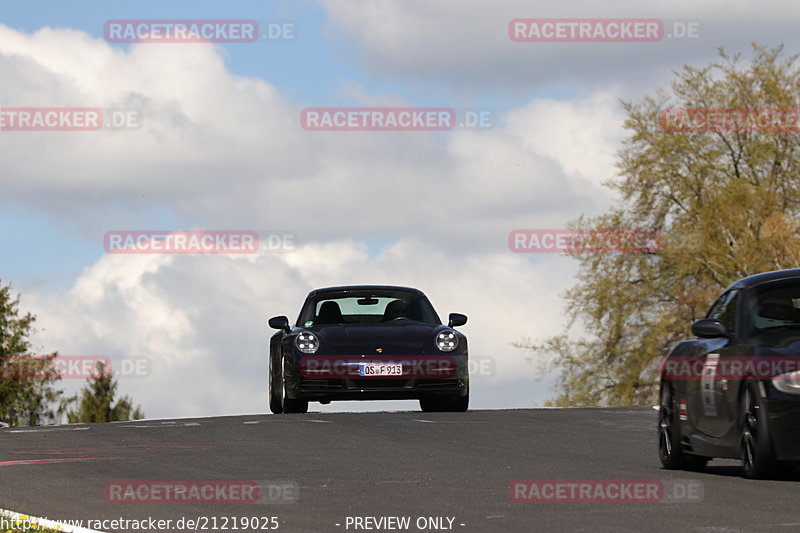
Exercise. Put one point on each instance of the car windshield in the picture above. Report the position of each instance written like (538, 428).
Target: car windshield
(367, 307)
(775, 306)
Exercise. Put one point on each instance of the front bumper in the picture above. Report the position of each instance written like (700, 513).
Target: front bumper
(377, 389)
(327, 378)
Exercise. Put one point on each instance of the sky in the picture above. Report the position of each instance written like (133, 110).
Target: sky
(217, 142)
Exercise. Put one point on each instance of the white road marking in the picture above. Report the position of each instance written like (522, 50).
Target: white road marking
(142, 426)
(46, 430)
(290, 420)
(281, 419)
(459, 422)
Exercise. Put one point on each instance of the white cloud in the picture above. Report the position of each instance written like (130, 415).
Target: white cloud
(465, 45)
(219, 150)
(581, 135)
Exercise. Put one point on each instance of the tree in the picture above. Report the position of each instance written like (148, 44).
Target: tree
(97, 404)
(726, 202)
(27, 392)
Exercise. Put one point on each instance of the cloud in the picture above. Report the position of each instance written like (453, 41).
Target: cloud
(219, 150)
(465, 45)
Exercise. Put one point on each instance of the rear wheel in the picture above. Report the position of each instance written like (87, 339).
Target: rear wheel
(670, 450)
(758, 459)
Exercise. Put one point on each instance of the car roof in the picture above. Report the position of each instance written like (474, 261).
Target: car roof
(758, 279)
(346, 288)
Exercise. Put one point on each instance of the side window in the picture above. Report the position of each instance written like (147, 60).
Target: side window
(725, 309)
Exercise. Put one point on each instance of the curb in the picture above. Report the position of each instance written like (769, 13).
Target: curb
(50, 524)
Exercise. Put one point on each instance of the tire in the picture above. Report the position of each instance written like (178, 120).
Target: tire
(294, 406)
(288, 404)
(458, 404)
(275, 392)
(670, 449)
(430, 405)
(758, 457)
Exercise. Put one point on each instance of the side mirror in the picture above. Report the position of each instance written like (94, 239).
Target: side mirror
(456, 319)
(710, 328)
(280, 322)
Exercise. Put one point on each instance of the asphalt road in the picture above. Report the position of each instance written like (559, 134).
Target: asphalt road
(327, 467)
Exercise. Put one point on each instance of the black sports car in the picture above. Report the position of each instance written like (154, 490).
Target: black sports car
(735, 391)
(368, 342)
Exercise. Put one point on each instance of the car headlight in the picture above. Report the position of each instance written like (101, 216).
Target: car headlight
(446, 340)
(306, 342)
(789, 382)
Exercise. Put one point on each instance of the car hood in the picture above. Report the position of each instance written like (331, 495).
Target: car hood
(395, 339)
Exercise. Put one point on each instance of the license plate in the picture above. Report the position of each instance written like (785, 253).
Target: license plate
(379, 369)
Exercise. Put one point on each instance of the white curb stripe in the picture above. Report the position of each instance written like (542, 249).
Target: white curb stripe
(50, 524)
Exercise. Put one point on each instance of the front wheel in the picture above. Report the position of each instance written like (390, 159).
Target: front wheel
(460, 404)
(288, 404)
(457, 404)
(430, 405)
(670, 451)
(294, 406)
(275, 391)
(758, 459)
